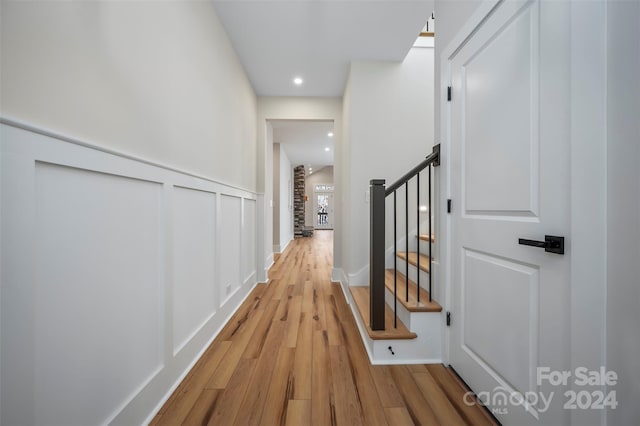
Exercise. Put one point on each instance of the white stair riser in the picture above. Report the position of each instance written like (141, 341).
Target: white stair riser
(424, 349)
(424, 276)
(412, 320)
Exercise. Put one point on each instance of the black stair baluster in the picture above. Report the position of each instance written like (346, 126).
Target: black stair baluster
(418, 233)
(395, 263)
(430, 239)
(406, 238)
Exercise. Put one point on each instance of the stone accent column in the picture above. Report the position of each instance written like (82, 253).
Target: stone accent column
(298, 201)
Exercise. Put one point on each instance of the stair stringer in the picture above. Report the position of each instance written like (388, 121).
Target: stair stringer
(426, 348)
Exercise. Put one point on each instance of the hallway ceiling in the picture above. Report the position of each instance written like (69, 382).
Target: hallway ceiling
(305, 141)
(317, 39)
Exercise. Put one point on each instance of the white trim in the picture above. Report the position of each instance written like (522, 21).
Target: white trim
(277, 249)
(360, 278)
(65, 138)
(179, 380)
(338, 275)
(588, 195)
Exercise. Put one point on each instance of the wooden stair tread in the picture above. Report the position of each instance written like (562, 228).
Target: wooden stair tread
(361, 298)
(425, 237)
(412, 305)
(413, 259)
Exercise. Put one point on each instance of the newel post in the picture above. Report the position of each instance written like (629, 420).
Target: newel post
(376, 254)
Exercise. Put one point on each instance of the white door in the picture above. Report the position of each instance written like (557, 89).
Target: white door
(323, 210)
(510, 159)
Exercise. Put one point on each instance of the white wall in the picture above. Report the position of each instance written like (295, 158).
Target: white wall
(286, 200)
(158, 80)
(276, 196)
(291, 108)
(322, 176)
(623, 207)
(389, 111)
(118, 270)
(342, 180)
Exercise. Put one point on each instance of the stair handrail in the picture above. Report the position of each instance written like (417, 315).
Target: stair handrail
(433, 159)
(377, 222)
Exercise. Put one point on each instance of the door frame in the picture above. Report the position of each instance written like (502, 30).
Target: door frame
(588, 185)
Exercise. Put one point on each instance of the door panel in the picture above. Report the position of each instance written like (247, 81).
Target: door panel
(499, 122)
(511, 290)
(509, 156)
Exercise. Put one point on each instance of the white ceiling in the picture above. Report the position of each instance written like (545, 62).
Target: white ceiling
(277, 40)
(305, 141)
(316, 39)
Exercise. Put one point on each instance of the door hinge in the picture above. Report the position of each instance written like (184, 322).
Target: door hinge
(448, 93)
(449, 205)
(448, 318)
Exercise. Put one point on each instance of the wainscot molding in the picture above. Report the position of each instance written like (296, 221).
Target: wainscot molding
(117, 273)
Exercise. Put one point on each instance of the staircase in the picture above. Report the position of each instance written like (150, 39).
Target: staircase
(399, 319)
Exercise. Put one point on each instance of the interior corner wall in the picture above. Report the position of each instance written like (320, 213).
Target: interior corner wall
(129, 143)
(623, 208)
(343, 180)
(390, 130)
(322, 176)
(276, 197)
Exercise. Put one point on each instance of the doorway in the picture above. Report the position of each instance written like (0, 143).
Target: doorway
(323, 207)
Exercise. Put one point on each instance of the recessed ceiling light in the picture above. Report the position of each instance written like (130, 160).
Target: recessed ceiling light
(330, 134)
(327, 149)
(298, 81)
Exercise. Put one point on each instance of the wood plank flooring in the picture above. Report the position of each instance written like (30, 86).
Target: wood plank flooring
(292, 355)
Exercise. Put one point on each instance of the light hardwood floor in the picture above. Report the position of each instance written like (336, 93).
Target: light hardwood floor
(292, 355)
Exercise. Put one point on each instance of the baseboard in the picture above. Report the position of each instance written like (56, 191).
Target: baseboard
(284, 247)
(184, 374)
(338, 275)
(269, 263)
(360, 278)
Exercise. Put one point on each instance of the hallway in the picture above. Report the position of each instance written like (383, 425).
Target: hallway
(292, 355)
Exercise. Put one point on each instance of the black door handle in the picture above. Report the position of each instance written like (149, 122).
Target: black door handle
(551, 244)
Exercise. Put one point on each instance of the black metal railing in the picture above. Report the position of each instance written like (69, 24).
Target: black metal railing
(378, 195)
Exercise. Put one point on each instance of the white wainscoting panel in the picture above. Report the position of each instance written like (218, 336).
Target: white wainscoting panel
(97, 293)
(194, 242)
(230, 256)
(112, 273)
(249, 241)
